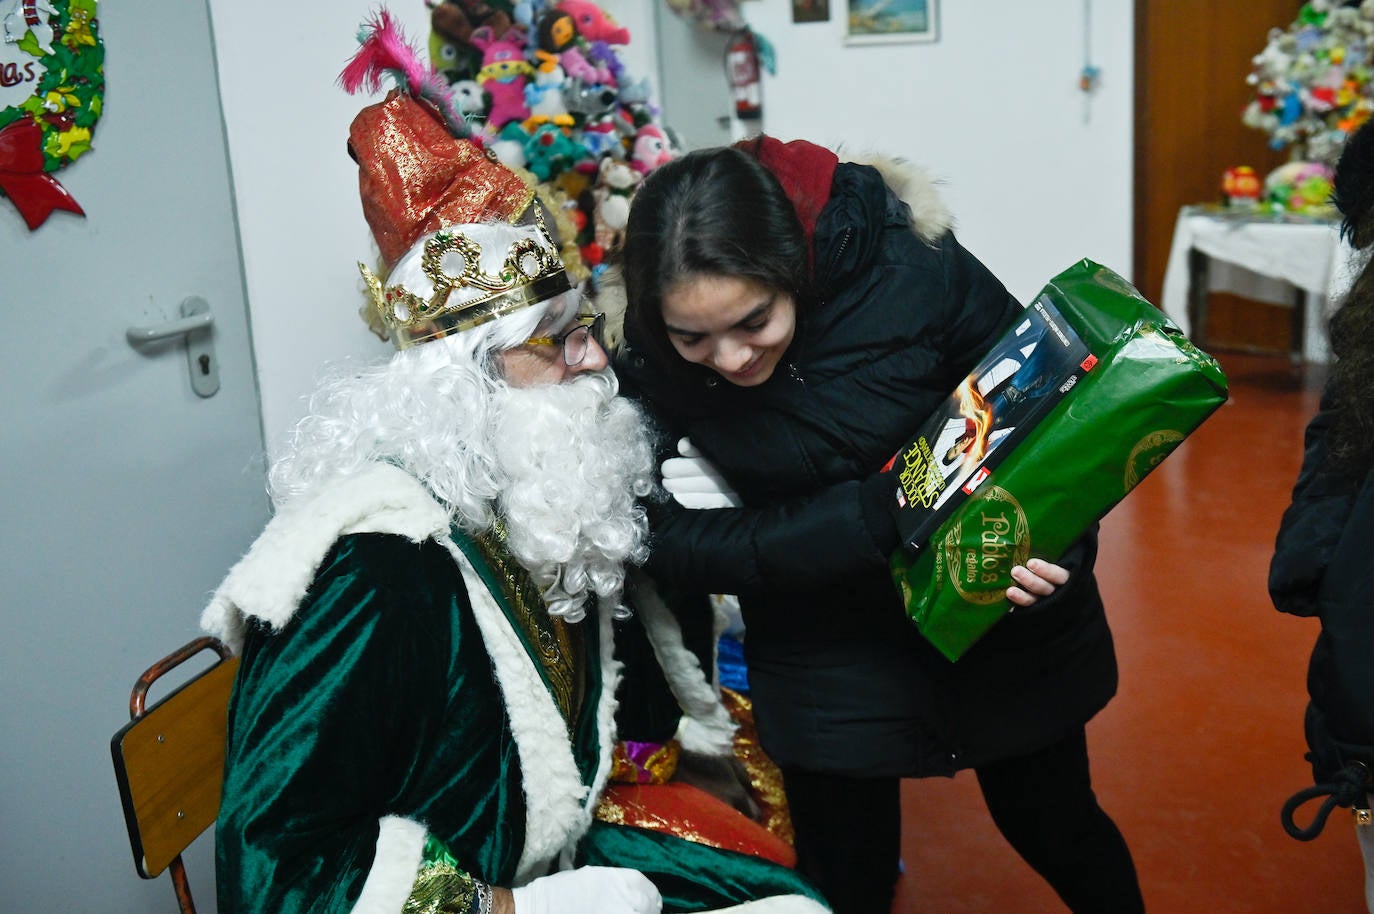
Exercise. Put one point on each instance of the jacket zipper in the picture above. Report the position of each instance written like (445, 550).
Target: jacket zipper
(844, 243)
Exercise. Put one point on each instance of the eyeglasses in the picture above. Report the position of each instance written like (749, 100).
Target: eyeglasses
(574, 341)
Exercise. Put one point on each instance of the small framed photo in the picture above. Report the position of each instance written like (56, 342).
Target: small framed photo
(883, 21)
(810, 10)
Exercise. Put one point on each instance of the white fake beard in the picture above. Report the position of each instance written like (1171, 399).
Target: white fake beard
(574, 456)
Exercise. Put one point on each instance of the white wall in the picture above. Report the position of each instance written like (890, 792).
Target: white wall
(300, 220)
(993, 109)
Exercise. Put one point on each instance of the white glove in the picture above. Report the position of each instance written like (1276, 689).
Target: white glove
(589, 890)
(694, 482)
(729, 619)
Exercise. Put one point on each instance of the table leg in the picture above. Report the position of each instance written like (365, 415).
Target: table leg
(1197, 295)
(1297, 327)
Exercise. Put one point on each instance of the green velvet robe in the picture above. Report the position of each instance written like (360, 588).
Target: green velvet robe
(401, 712)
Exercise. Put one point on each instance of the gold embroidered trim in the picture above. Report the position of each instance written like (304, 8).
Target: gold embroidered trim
(625, 809)
(441, 888)
(556, 644)
(764, 775)
(658, 768)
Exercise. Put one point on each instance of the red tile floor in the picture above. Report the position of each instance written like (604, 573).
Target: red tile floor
(1203, 743)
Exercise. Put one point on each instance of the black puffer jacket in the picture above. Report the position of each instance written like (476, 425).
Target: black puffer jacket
(841, 681)
(1321, 567)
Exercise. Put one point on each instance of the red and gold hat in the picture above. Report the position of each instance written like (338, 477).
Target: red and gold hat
(461, 242)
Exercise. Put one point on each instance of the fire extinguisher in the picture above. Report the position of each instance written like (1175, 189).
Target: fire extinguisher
(742, 70)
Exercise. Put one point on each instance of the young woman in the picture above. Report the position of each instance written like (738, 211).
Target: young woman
(796, 319)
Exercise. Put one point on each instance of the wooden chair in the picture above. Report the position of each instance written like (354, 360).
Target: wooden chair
(169, 760)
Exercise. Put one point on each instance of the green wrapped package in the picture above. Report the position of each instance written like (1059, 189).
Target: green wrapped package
(1151, 387)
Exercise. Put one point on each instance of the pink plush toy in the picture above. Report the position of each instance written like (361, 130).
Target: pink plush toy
(651, 149)
(593, 23)
(503, 75)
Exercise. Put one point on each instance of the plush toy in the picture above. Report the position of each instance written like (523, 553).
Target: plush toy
(549, 151)
(615, 185)
(1299, 187)
(651, 149)
(468, 97)
(593, 23)
(626, 123)
(557, 34)
(601, 138)
(452, 23)
(509, 146)
(503, 75)
(1240, 187)
(1312, 80)
(587, 100)
(581, 33)
(608, 66)
(634, 92)
(544, 95)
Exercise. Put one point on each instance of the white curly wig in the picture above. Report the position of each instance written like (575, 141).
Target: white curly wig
(560, 464)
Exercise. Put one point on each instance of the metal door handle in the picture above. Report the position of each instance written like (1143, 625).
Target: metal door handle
(195, 324)
(147, 334)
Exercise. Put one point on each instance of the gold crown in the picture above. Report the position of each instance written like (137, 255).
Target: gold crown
(470, 296)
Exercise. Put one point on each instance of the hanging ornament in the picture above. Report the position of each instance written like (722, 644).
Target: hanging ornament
(51, 86)
(1091, 75)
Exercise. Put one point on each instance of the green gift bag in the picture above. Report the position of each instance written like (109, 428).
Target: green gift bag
(1149, 389)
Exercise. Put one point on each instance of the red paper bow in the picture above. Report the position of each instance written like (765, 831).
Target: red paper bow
(34, 192)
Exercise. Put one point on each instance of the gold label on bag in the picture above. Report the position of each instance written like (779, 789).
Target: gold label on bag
(1148, 453)
(991, 536)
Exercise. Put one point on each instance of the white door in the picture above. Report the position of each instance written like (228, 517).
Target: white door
(126, 495)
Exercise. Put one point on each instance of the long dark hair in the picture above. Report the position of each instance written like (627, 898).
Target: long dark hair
(1350, 387)
(713, 212)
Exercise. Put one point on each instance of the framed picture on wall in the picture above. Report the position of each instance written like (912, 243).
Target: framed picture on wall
(810, 10)
(881, 21)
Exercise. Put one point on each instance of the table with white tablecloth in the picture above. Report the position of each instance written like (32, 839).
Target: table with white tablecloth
(1297, 261)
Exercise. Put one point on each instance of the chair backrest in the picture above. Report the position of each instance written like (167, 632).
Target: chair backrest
(169, 761)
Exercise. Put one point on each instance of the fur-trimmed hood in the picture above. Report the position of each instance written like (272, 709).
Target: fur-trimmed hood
(917, 188)
(913, 184)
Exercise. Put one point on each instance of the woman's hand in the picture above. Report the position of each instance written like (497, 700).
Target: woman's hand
(695, 482)
(1035, 579)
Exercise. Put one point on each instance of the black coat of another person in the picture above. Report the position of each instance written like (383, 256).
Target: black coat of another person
(842, 682)
(1322, 567)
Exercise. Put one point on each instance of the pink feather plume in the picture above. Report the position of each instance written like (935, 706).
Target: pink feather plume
(385, 51)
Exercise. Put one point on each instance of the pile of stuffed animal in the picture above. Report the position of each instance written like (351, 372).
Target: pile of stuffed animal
(542, 85)
(1314, 81)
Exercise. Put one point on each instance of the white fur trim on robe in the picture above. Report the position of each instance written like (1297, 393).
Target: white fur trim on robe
(400, 845)
(706, 725)
(778, 904)
(271, 580)
(558, 807)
